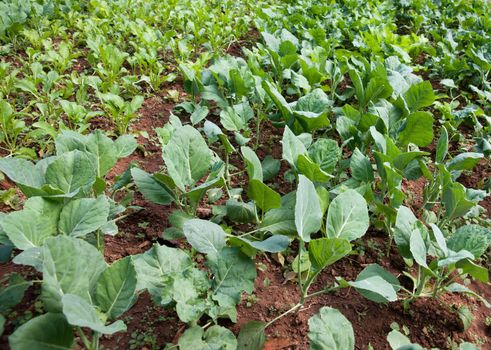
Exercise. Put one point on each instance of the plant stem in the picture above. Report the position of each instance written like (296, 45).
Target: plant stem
(86, 341)
(297, 306)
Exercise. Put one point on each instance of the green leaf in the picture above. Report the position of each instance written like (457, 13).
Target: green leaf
(399, 341)
(326, 251)
(240, 212)
(361, 168)
(329, 329)
(71, 172)
(115, 289)
(311, 170)
(205, 236)
(200, 113)
(13, 293)
(279, 221)
(23, 172)
(347, 216)
(271, 168)
(264, 197)
(152, 189)
(454, 198)
(473, 238)
(476, 271)
(157, 267)
(83, 314)
(187, 157)
(418, 248)
(464, 161)
(31, 226)
(234, 273)
(125, 145)
(292, 147)
(460, 288)
(418, 129)
(62, 274)
(442, 146)
(2, 324)
(83, 216)
(102, 148)
(215, 337)
(377, 286)
(46, 332)
(253, 164)
(419, 95)
(273, 244)
(326, 153)
(251, 336)
(371, 287)
(308, 214)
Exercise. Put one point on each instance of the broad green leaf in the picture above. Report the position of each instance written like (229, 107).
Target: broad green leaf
(253, 164)
(454, 198)
(292, 147)
(83, 216)
(13, 292)
(454, 257)
(419, 95)
(361, 168)
(273, 244)
(326, 153)
(22, 171)
(103, 150)
(418, 248)
(187, 157)
(205, 236)
(31, 226)
(64, 274)
(418, 129)
(157, 267)
(399, 341)
(278, 99)
(473, 238)
(214, 338)
(377, 286)
(439, 239)
(200, 113)
(240, 212)
(234, 273)
(279, 221)
(464, 161)
(81, 313)
(442, 145)
(187, 292)
(476, 271)
(379, 296)
(329, 329)
(264, 197)
(308, 214)
(460, 288)
(46, 332)
(152, 189)
(271, 168)
(125, 145)
(347, 216)
(326, 251)
(235, 118)
(311, 170)
(116, 287)
(71, 172)
(251, 336)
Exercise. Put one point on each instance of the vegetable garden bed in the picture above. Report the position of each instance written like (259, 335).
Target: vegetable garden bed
(245, 175)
